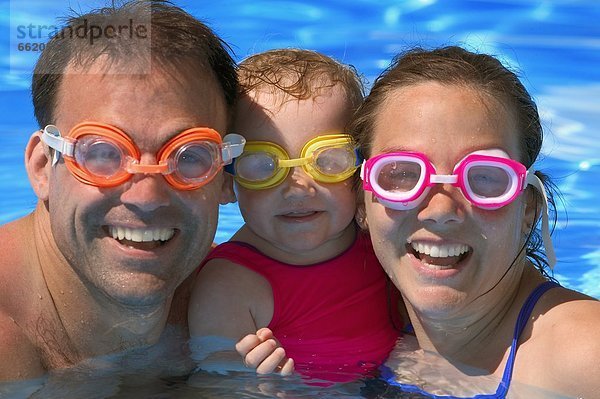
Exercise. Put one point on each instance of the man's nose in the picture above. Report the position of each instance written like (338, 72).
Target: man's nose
(147, 191)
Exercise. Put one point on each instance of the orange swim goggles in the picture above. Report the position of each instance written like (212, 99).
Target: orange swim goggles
(104, 156)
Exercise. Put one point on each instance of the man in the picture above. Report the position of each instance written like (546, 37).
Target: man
(124, 213)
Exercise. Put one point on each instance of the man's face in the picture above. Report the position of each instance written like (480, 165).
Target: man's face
(150, 109)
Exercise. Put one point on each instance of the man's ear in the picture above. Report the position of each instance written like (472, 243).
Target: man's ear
(37, 163)
(227, 196)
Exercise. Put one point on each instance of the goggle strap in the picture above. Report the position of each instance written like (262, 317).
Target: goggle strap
(363, 166)
(51, 136)
(233, 146)
(537, 183)
(359, 158)
(229, 168)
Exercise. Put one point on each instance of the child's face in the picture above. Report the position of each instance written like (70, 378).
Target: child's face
(300, 215)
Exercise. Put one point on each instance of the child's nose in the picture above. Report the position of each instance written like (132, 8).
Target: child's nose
(298, 184)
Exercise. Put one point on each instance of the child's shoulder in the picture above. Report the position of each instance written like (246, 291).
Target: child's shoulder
(225, 274)
(224, 296)
(229, 271)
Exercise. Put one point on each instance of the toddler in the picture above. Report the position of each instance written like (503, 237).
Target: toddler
(298, 284)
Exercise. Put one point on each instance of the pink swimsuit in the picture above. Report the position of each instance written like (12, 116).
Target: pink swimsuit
(333, 318)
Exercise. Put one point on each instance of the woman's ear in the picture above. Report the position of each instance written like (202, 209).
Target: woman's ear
(361, 213)
(533, 207)
(227, 195)
(361, 218)
(37, 164)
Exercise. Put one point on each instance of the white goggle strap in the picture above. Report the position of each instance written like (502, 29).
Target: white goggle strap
(233, 146)
(362, 169)
(51, 136)
(537, 183)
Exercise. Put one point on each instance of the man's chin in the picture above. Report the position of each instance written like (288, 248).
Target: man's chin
(140, 296)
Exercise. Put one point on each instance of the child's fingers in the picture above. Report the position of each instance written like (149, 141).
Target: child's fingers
(262, 352)
(270, 363)
(264, 334)
(259, 353)
(287, 368)
(246, 344)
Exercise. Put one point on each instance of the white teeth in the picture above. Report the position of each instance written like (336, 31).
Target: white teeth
(440, 251)
(140, 235)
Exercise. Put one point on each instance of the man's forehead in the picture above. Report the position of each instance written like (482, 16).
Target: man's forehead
(98, 86)
(104, 68)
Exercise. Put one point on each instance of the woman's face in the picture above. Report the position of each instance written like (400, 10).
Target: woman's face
(447, 122)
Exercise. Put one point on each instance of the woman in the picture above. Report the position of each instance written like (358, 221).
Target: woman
(452, 204)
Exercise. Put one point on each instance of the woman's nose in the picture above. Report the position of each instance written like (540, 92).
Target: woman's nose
(443, 205)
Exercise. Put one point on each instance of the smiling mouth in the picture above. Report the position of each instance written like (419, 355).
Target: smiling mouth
(300, 214)
(439, 256)
(141, 238)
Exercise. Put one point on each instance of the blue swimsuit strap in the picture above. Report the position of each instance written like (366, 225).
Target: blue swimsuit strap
(388, 375)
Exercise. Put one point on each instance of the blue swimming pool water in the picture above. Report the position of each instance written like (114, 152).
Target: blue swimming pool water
(556, 45)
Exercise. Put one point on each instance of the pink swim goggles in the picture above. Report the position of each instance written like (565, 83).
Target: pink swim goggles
(401, 180)
(488, 179)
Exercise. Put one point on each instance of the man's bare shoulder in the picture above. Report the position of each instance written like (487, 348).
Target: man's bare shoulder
(18, 305)
(15, 237)
(15, 250)
(20, 357)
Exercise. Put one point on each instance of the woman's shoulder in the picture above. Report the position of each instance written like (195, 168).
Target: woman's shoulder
(566, 335)
(563, 313)
(564, 303)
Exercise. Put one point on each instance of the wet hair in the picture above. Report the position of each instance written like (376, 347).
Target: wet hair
(298, 73)
(165, 35)
(454, 65)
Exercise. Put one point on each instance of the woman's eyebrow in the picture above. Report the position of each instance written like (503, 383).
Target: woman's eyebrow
(392, 149)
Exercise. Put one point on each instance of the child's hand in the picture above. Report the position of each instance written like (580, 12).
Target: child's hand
(261, 351)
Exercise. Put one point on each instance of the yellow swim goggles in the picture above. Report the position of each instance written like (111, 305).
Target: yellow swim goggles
(328, 159)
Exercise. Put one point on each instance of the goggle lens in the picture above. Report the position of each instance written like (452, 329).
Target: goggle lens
(194, 161)
(488, 181)
(256, 166)
(334, 161)
(399, 176)
(98, 156)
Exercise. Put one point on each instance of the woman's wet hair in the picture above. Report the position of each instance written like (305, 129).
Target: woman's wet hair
(483, 73)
